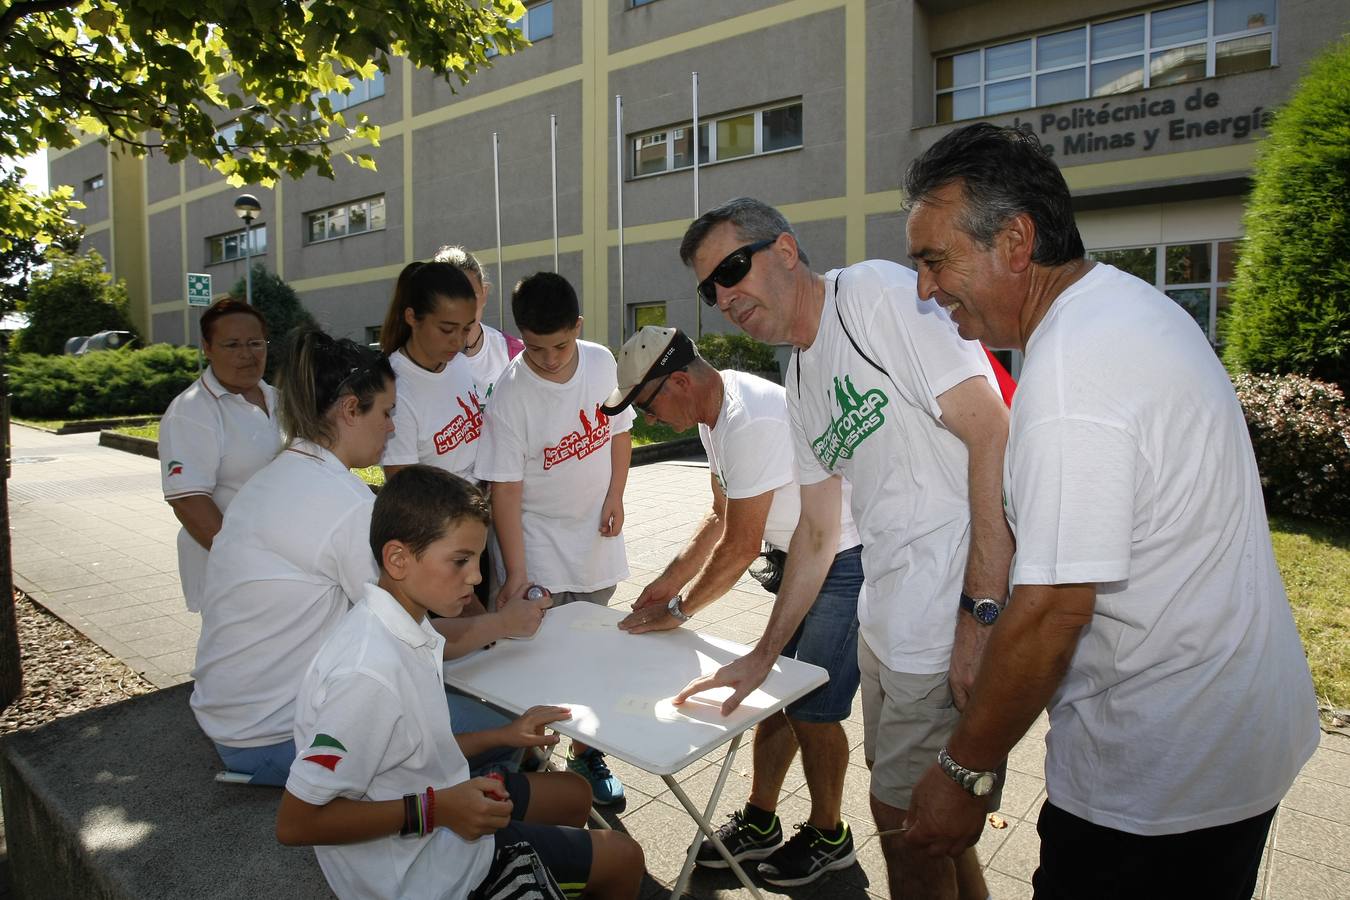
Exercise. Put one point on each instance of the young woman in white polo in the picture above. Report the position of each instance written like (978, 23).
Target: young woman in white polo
(293, 554)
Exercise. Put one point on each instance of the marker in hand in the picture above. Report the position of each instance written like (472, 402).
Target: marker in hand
(500, 779)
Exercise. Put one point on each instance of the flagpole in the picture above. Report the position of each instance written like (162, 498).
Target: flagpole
(618, 181)
(497, 197)
(553, 162)
(693, 140)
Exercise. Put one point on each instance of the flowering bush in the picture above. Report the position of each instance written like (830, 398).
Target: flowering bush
(1300, 431)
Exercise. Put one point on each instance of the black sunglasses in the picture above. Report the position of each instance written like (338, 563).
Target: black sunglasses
(646, 406)
(730, 270)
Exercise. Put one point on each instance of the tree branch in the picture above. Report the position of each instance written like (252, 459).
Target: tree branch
(16, 11)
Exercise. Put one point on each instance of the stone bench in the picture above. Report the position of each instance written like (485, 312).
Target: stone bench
(122, 802)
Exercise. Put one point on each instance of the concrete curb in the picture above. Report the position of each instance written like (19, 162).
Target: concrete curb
(129, 443)
(89, 425)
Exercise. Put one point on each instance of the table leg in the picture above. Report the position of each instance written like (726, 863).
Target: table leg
(706, 828)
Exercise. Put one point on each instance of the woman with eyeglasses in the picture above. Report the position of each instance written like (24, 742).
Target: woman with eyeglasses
(293, 553)
(217, 433)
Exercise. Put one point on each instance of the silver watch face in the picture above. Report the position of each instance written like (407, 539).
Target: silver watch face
(986, 612)
(983, 784)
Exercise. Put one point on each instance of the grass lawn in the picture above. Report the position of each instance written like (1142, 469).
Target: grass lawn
(1314, 559)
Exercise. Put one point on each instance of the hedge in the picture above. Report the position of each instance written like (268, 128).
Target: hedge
(1300, 430)
(104, 383)
(737, 351)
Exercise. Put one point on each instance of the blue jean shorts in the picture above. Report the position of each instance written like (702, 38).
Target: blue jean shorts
(269, 765)
(828, 637)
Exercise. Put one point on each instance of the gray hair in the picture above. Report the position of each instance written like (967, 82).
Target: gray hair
(461, 258)
(754, 220)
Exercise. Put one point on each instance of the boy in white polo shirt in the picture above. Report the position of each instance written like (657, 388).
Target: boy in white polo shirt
(558, 466)
(382, 789)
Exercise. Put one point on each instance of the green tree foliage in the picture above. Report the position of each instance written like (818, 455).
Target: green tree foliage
(96, 385)
(21, 257)
(74, 297)
(1291, 293)
(280, 306)
(150, 75)
(737, 351)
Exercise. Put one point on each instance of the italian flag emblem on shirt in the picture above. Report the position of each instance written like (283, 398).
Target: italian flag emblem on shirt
(175, 467)
(326, 751)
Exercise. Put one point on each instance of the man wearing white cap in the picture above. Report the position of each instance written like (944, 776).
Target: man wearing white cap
(743, 423)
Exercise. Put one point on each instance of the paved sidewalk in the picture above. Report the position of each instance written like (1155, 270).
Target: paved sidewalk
(95, 543)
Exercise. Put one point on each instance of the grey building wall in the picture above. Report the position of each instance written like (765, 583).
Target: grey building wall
(74, 168)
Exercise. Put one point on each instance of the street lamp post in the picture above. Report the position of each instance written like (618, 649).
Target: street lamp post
(247, 207)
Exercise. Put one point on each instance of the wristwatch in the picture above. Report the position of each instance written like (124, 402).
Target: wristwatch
(673, 607)
(984, 609)
(977, 784)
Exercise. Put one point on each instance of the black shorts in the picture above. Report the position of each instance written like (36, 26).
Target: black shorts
(565, 850)
(1080, 859)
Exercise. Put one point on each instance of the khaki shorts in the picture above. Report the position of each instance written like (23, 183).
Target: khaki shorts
(906, 721)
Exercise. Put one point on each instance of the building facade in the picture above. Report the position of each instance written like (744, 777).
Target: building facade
(1153, 112)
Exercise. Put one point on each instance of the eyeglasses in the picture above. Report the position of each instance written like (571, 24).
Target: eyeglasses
(645, 407)
(257, 345)
(730, 270)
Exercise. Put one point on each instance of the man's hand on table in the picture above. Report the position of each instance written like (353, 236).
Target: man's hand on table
(742, 676)
(658, 593)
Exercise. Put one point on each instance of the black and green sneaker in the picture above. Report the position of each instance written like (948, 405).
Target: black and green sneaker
(809, 854)
(743, 841)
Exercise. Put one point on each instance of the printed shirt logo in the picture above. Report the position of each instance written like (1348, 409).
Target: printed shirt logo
(175, 468)
(326, 751)
(579, 444)
(464, 428)
(860, 416)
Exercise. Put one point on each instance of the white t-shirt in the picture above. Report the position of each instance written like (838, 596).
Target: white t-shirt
(371, 723)
(749, 452)
(211, 441)
(489, 362)
(1188, 702)
(292, 557)
(438, 418)
(554, 439)
(885, 435)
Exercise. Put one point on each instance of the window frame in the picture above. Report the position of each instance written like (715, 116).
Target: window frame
(341, 102)
(710, 123)
(257, 229)
(1214, 284)
(1211, 40)
(523, 26)
(344, 208)
(94, 183)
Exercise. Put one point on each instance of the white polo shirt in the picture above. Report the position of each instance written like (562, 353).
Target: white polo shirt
(211, 441)
(293, 556)
(489, 362)
(1188, 702)
(371, 723)
(438, 416)
(749, 451)
(555, 440)
(884, 433)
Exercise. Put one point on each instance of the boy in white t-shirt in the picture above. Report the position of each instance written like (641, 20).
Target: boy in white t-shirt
(558, 466)
(373, 718)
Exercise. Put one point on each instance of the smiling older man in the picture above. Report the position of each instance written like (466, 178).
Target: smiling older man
(882, 390)
(1147, 610)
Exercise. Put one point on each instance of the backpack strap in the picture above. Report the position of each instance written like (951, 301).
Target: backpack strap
(796, 356)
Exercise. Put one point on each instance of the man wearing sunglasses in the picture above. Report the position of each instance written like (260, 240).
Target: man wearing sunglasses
(882, 390)
(743, 423)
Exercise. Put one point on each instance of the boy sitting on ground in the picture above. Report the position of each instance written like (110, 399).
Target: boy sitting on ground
(382, 788)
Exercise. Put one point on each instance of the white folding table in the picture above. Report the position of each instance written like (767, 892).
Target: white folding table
(619, 686)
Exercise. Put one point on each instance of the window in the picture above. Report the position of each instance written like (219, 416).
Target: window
(373, 336)
(1152, 49)
(1195, 275)
(93, 184)
(535, 25)
(637, 3)
(341, 221)
(649, 314)
(225, 247)
(228, 135)
(757, 132)
(363, 89)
